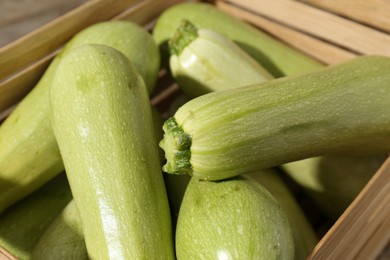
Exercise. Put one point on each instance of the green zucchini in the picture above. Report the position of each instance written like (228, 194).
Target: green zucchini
(305, 238)
(339, 109)
(22, 224)
(232, 219)
(101, 117)
(204, 60)
(63, 239)
(277, 57)
(333, 182)
(29, 155)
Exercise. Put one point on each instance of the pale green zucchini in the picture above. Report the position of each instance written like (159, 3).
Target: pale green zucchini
(333, 182)
(305, 238)
(339, 109)
(204, 60)
(102, 121)
(277, 57)
(63, 239)
(22, 224)
(232, 219)
(29, 155)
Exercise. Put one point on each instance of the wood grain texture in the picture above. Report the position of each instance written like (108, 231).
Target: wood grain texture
(320, 50)
(15, 87)
(375, 13)
(49, 37)
(23, 16)
(360, 222)
(321, 24)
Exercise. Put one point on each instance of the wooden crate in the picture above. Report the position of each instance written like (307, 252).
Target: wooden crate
(330, 31)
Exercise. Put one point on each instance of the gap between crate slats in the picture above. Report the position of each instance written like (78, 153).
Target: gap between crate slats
(324, 25)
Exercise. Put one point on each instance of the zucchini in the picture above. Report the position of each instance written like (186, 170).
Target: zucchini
(339, 109)
(277, 57)
(63, 239)
(333, 182)
(101, 117)
(22, 224)
(305, 238)
(29, 154)
(232, 219)
(204, 60)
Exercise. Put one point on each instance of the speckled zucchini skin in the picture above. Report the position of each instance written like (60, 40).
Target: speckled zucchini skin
(232, 219)
(340, 109)
(277, 57)
(29, 155)
(103, 124)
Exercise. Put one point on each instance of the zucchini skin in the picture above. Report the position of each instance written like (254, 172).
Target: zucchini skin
(203, 60)
(232, 219)
(102, 121)
(278, 58)
(305, 238)
(339, 109)
(22, 224)
(333, 182)
(29, 154)
(63, 239)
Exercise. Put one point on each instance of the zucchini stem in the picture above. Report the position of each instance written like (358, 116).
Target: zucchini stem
(184, 35)
(176, 144)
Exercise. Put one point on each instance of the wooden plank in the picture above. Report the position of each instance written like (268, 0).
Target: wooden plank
(320, 50)
(358, 224)
(146, 11)
(5, 255)
(321, 24)
(23, 16)
(49, 37)
(22, 10)
(375, 13)
(14, 88)
(378, 241)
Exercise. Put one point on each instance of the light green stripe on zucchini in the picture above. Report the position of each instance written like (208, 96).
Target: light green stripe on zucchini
(29, 154)
(277, 57)
(102, 120)
(204, 60)
(340, 109)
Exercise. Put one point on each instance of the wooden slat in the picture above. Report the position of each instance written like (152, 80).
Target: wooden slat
(13, 89)
(146, 11)
(5, 255)
(320, 50)
(375, 13)
(377, 242)
(321, 24)
(23, 16)
(49, 37)
(359, 223)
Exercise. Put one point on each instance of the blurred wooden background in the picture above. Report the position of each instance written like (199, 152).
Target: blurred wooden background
(18, 17)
